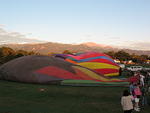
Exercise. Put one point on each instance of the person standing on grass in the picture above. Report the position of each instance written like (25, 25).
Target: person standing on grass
(126, 102)
(142, 77)
(137, 96)
(148, 78)
(144, 91)
(131, 88)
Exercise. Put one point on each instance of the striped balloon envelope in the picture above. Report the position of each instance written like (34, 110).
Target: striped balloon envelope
(51, 70)
(98, 62)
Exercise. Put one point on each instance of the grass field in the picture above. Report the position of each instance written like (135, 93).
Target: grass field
(27, 98)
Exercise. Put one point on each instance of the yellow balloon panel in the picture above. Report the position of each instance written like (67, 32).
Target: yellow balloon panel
(94, 65)
(92, 74)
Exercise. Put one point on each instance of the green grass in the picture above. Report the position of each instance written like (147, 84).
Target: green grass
(92, 83)
(27, 98)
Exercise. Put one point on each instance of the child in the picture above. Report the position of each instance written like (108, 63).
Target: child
(131, 88)
(137, 95)
(126, 102)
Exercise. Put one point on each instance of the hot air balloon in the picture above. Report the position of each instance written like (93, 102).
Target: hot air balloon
(51, 70)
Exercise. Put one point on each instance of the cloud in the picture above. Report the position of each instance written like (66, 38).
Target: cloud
(140, 46)
(15, 37)
(2, 25)
(2, 31)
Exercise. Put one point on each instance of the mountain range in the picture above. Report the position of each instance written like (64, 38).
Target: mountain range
(51, 47)
(19, 41)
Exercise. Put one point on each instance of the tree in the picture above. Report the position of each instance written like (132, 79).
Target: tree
(139, 58)
(135, 58)
(6, 51)
(67, 52)
(111, 53)
(122, 55)
(6, 54)
(33, 53)
(20, 53)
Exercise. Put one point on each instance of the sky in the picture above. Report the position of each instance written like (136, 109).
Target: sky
(124, 23)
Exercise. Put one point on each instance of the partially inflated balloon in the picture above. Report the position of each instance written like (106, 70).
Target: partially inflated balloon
(50, 70)
(98, 62)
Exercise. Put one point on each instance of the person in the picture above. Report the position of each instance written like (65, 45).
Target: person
(126, 102)
(144, 95)
(148, 78)
(131, 88)
(137, 95)
(134, 79)
(142, 80)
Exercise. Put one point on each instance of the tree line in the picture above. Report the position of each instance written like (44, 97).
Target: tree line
(124, 56)
(7, 54)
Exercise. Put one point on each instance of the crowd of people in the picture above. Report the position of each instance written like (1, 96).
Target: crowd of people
(135, 98)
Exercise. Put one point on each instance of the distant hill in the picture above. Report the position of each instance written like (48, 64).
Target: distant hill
(45, 48)
(92, 44)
